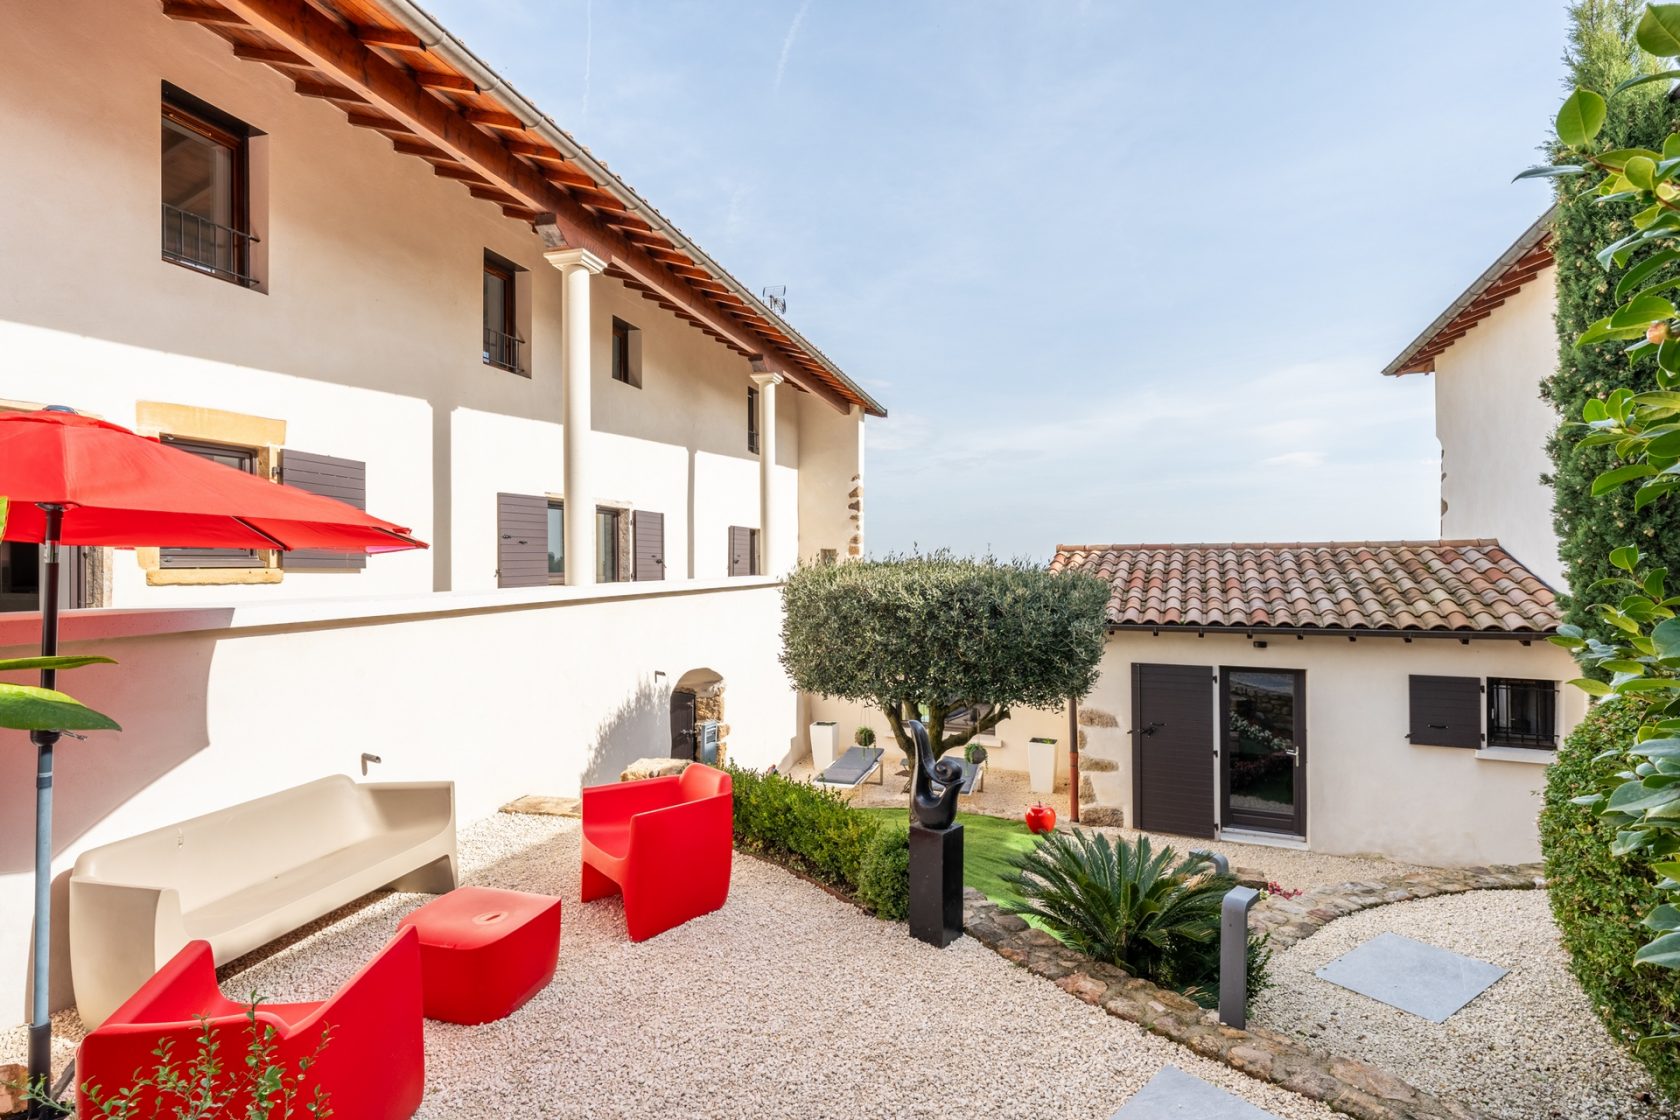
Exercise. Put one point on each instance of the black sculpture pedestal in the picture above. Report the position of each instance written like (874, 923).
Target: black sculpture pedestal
(936, 884)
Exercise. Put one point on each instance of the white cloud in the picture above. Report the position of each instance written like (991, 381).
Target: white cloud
(787, 45)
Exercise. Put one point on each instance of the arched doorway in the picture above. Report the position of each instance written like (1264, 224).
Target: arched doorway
(697, 727)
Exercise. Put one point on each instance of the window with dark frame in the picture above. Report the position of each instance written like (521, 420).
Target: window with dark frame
(626, 353)
(606, 544)
(501, 315)
(556, 542)
(240, 459)
(206, 189)
(1522, 713)
(752, 419)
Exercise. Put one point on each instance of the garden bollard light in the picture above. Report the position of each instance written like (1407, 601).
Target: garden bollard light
(1233, 955)
(1221, 865)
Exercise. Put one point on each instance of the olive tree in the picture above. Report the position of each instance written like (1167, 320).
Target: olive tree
(928, 636)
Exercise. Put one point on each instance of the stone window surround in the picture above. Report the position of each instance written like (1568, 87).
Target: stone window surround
(262, 435)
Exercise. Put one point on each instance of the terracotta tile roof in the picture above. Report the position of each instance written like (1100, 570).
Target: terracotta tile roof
(1395, 586)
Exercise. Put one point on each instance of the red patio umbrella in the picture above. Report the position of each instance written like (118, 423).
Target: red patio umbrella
(74, 480)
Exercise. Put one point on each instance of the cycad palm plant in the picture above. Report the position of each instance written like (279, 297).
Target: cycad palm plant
(1125, 902)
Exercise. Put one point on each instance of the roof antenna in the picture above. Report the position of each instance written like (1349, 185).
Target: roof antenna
(775, 297)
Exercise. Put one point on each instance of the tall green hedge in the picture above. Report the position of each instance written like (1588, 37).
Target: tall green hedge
(1602, 53)
(1599, 899)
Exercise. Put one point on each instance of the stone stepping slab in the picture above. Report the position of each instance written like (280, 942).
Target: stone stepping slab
(1173, 1094)
(1415, 976)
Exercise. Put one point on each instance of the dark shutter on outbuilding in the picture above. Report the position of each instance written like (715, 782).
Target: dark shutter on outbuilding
(1446, 712)
(343, 479)
(740, 551)
(521, 540)
(649, 530)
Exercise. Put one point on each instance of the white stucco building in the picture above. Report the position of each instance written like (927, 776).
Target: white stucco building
(327, 245)
(1395, 697)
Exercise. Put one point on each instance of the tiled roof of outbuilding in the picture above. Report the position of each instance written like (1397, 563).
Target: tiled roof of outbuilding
(1467, 587)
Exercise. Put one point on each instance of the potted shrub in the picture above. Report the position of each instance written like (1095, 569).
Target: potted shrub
(1041, 765)
(825, 739)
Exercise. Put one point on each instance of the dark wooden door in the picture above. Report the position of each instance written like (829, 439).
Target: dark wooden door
(682, 725)
(1172, 749)
(648, 529)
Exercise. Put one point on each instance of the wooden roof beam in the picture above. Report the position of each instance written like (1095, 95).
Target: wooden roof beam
(328, 92)
(274, 56)
(341, 55)
(201, 13)
(362, 118)
(395, 38)
(454, 83)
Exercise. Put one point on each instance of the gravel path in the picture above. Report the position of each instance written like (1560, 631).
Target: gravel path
(1528, 1048)
(786, 1003)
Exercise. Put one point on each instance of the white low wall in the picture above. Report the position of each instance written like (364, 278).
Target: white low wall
(506, 693)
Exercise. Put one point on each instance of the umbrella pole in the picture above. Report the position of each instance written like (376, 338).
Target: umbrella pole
(40, 954)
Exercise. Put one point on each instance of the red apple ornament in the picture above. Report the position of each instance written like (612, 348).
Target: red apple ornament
(1041, 818)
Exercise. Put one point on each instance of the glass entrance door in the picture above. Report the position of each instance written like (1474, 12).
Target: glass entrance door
(1263, 749)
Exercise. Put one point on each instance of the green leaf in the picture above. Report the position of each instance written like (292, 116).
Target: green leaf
(1625, 558)
(1657, 748)
(1591, 687)
(1651, 491)
(1633, 797)
(1665, 639)
(21, 664)
(1582, 115)
(1548, 171)
(27, 708)
(1617, 476)
(1635, 276)
(1665, 918)
(1664, 76)
(1641, 171)
(1670, 869)
(1664, 952)
(1658, 32)
(1641, 311)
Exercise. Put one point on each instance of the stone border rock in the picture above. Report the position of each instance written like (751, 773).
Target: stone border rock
(1345, 1084)
(1290, 920)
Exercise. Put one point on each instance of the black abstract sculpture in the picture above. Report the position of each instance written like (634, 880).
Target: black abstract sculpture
(936, 855)
(932, 809)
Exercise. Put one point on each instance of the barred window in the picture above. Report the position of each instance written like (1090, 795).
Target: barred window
(1522, 713)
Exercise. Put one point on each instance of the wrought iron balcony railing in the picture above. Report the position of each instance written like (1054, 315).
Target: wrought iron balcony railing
(195, 241)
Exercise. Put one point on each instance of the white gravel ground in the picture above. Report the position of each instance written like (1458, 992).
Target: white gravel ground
(786, 1003)
(1527, 1048)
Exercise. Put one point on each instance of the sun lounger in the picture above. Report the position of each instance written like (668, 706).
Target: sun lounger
(853, 768)
(974, 775)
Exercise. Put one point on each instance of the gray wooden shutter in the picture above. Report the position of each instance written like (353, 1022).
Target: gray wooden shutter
(1446, 712)
(343, 479)
(649, 531)
(740, 551)
(522, 540)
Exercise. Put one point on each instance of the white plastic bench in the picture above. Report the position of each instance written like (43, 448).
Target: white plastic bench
(245, 875)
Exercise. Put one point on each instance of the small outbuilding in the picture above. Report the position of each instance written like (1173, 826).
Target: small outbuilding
(1391, 697)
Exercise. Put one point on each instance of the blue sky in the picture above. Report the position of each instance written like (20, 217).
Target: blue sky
(1120, 272)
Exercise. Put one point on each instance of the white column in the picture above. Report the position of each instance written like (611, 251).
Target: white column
(771, 561)
(577, 267)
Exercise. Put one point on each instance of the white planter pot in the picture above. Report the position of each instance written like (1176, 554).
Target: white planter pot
(825, 737)
(1041, 765)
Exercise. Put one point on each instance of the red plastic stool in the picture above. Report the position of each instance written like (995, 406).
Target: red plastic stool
(484, 952)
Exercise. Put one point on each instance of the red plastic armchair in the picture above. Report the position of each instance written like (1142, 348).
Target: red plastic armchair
(371, 1068)
(664, 843)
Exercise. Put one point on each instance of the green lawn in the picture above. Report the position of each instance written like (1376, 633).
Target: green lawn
(989, 843)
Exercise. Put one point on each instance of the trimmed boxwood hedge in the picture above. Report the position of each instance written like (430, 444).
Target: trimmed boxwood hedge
(1599, 899)
(814, 832)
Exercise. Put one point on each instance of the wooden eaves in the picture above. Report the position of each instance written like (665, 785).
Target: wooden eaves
(359, 55)
(1528, 256)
